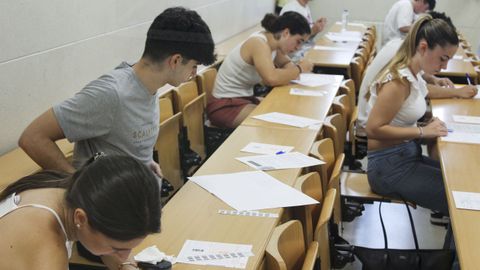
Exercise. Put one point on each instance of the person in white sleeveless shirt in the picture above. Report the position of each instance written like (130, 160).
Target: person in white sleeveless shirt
(263, 57)
(396, 166)
(109, 205)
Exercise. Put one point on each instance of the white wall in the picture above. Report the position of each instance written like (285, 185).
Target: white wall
(51, 49)
(464, 13)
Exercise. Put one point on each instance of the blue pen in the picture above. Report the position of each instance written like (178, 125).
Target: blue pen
(280, 152)
(468, 79)
(450, 130)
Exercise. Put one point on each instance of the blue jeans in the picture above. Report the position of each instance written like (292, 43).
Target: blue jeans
(401, 171)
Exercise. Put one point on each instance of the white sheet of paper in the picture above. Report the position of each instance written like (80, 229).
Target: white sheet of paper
(466, 200)
(215, 253)
(279, 162)
(312, 80)
(462, 137)
(353, 24)
(466, 119)
(287, 119)
(462, 128)
(329, 48)
(253, 190)
(336, 37)
(266, 149)
(457, 57)
(305, 92)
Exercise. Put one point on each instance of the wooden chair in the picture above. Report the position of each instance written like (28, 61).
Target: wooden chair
(331, 170)
(321, 234)
(286, 249)
(311, 185)
(166, 146)
(192, 107)
(206, 81)
(357, 66)
(334, 127)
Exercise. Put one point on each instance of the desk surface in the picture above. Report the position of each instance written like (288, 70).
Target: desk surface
(460, 172)
(460, 67)
(192, 212)
(280, 100)
(334, 59)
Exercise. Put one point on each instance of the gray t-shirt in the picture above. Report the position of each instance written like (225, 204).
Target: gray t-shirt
(113, 114)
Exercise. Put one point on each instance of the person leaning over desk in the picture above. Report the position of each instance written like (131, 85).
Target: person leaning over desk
(401, 16)
(437, 87)
(109, 205)
(263, 57)
(118, 113)
(396, 166)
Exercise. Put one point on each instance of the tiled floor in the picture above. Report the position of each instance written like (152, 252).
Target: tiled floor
(367, 231)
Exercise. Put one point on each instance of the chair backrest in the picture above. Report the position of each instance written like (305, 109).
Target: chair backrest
(357, 66)
(206, 81)
(192, 107)
(167, 145)
(166, 109)
(193, 120)
(332, 168)
(185, 93)
(321, 234)
(347, 87)
(341, 104)
(311, 185)
(335, 129)
(324, 150)
(286, 248)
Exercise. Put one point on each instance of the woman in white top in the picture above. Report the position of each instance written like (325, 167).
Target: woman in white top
(109, 205)
(261, 58)
(396, 166)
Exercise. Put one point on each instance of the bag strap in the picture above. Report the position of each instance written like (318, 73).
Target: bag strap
(412, 225)
(383, 225)
(414, 232)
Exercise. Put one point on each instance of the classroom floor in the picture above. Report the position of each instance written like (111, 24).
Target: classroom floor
(366, 230)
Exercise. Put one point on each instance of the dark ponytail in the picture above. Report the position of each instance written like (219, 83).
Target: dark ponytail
(293, 21)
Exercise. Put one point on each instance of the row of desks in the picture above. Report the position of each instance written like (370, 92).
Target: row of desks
(460, 173)
(192, 214)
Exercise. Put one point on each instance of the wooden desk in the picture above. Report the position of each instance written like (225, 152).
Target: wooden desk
(280, 100)
(192, 212)
(17, 164)
(335, 59)
(460, 173)
(458, 68)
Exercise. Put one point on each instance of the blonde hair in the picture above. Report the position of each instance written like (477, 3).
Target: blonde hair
(433, 31)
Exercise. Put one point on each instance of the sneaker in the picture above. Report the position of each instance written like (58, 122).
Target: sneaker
(437, 218)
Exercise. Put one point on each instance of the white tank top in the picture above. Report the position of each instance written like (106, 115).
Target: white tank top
(236, 77)
(10, 204)
(414, 107)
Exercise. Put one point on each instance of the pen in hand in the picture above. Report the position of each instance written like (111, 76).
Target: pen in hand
(468, 79)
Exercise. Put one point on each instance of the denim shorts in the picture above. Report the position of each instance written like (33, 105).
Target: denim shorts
(401, 171)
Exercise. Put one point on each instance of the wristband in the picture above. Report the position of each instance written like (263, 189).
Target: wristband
(421, 132)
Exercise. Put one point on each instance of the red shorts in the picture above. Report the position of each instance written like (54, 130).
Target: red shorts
(222, 111)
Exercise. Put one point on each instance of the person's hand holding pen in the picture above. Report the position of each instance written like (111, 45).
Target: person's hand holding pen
(305, 65)
(435, 128)
(467, 91)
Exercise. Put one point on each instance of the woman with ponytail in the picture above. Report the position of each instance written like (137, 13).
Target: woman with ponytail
(396, 166)
(261, 58)
(109, 205)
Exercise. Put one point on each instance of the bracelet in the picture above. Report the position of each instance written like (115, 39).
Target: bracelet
(299, 68)
(421, 132)
(120, 266)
